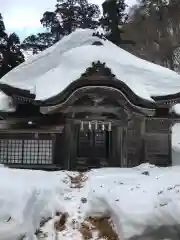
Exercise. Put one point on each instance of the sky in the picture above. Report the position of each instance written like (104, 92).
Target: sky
(23, 16)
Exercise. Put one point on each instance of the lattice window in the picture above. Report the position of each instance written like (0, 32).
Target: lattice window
(3, 151)
(45, 151)
(31, 153)
(28, 151)
(14, 147)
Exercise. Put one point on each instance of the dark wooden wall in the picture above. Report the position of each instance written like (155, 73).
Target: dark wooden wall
(157, 138)
(149, 140)
(141, 140)
(134, 142)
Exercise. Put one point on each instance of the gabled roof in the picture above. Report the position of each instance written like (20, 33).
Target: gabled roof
(51, 71)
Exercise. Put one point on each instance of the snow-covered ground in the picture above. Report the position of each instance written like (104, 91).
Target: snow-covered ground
(141, 203)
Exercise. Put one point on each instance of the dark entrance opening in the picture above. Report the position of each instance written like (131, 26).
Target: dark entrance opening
(93, 148)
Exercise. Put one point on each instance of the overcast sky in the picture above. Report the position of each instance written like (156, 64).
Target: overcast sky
(23, 16)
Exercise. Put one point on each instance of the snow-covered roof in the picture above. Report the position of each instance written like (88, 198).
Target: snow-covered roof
(27, 54)
(52, 70)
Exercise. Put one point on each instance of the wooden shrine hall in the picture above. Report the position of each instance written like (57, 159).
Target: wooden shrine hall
(97, 120)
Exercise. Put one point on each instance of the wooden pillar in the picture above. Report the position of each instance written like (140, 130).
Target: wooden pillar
(118, 155)
(73, 145)
(124, 160)
(170, 144)
(58, 150)
(70, 145)
(109, 147)
(113, 152)
(67, 145)
(119, 147)
(142, 140)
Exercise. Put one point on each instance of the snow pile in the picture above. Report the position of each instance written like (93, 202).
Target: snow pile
(58, 66)
(175, 142)
(176, 137)
(26, 197)
(143, 203)
(175, 109)
(6, 103)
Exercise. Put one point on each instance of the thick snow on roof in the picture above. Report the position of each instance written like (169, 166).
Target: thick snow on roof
(52, 70)
(143, 203)
(27, 54)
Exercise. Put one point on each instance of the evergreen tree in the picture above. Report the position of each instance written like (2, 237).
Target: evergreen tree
(38, 42)
(51, 22)
(69, 15)
(10, 53)
(3, 37)
(2, 28)
(114, 17)
(155, 27)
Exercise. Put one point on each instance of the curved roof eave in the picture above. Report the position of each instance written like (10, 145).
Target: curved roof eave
(101, 81)
(82, 82)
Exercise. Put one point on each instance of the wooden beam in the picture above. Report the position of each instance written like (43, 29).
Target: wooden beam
(91, 109)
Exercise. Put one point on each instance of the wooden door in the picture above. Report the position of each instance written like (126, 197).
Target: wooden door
(92, 149)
